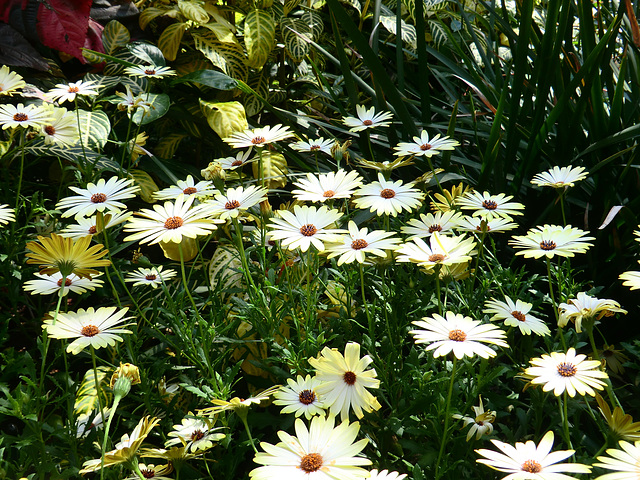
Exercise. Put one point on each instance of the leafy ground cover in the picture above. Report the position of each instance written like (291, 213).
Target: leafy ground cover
(325, 240)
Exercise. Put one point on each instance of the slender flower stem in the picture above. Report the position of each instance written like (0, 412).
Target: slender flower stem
(445, 433)
(366, 305)
(243, 256)
(437, 274)
(22, 141)
(184, 280)
(101, 407)
(246, 427)
(561, 197)
(136, 467)
(45, 336)
(553, 303)
(562, 404)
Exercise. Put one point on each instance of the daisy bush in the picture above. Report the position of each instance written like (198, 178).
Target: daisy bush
(294, 242)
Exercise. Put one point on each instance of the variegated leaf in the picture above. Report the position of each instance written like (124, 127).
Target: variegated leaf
(225, 118)
(438, 33)
(274, 169)
(194, 10)
(225, 270)
(87, 394)
(169, 41)
(168, 145)
(222, 32)
(147, 185)
(94, 128)
(189, 62)
(149, 14)
(75, 155)
(295, 34)
(229, 57)
(408, 32)
(114, 36)
(259, 37)
(259, 82)
(103, 81)
(353, 3)
(193, 128)
(147, 54)
(314, 21)
(289, 5)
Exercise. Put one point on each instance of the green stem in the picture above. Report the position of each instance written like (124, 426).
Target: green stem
(553, 303)
(101, 407)
(22, 141)
(184, 280)
(437, 274)
(562, 404)
(445, 433)
(45, 337)
(243, 256)
(246, 427)
(136, 468)
(561, 195)
(366, 306)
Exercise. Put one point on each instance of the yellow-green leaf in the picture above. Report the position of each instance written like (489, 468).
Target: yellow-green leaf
(259, 82)
(222, 32)
(86, 396)
(169, 41)
(94, 128)
(225, 271)
(274, 169)
(295, 34)
(149, 14)
(259, 36)
(194, 10)
(225, 118)
(229, 57)
(147, 186)
(289, 5)
(314, 21)
(168, 145)
(114, 36)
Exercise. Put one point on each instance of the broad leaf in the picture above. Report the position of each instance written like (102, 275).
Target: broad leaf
(160, 104)
(229, 57)
(408, 31)
(222, 32)
(259, 37)
(62, 25)
(94, 128)
(147, 53)
(295, 34)
(274, 169)
(75, 155)
(149, 14)
(314, 22)
(225, 118)
(147, 185)
(193, 10)
(210, 78)
(104, 81)
(259, 82)
(87, 394)
(169, 41)
(168, 145)
(114, 36)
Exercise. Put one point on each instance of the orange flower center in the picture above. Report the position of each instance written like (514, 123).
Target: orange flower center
(548, 245)
(311, 462)
(173, 222)
(328, 194)
(92, 229)
(387, 193)
(258, 140)
(189, 190)
(98, 198)
(435, 228)
(308, 230)
(349, 378)
(150, 72)
(67, 282)
(314, 147)
(425, 146)
(197, 435)
(307, 397)
(518, 315)
(567, 369)
(457, 335)
(150, 277)
(237, 163)
(531, 466)
(489, 204)
(148, 473)
(73, 89)
(367, 122)
(50, 130)
(89, 331)
(231, 204)
(436, 257)
(359, 244)
(20, 117)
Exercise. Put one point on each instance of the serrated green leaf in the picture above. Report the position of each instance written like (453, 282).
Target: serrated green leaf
(169, 41)
(229, 57)
(259, 37)
(114, 36)
(87, 394)
(225, 118)
(295, 33)
(168, 145)
(94, 128)
(147, 53)
(193, 10)
(147, 185)
(160, 104)
(274, 169)
(210, 78)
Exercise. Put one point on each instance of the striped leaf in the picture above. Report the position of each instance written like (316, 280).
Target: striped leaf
(225, 118)
(222, 32)
(193, 10)
(193, 127)
(114, 36)
(159, 106)
(259, 82)
(168, 145)
(314, 21)
(189, 62)
(289, 5)
(259, 37)
(225, 271)
(295, 34)
(353, 3)
(75, 155)
(408, 31)
(169, 41)
(150, 13)
(87, 394)
(274, 169)
(94, 128)
(147, 53)
(147, 185)
(229, 57)
(104, 81)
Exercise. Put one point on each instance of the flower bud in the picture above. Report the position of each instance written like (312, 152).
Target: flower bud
(122, 379)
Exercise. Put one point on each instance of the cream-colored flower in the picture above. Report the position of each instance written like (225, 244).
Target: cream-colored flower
(195, 434)
(14, 116)
(89, 226)
(482, 225)
(154, 276)
(305, 226)
(367, 118)
(490, 206)
(625, 462)
(259, 137)
(441, 250)
(148, 71)
(359, 242)
(387, 197)
(103, 196)
(560, 177)
(516, 314)
(10, 82)
(187, 187)
(300, 397)
(425, 146)
(235, 201)
(327, 186)
(67, 92)
(61, 128)
(314, 145)
(441, 222)
(551, 240)
(481, 422)
(47, 284)
(7, 214)
(587, 309)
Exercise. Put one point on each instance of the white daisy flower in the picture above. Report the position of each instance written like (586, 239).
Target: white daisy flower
(441, 250)
(300, 397)
(345, 380)
(236, 200)
(304, 227)
(187, 187)
(48, 284)
(490, 206)
(481, 422)
(171, 221)
(624, 462)
(67, 92)
(96, 328)
(588, 309)
(150, 276)
(551, 240)
(425, 146)
(241, 159)
(14, 116)
(258, 137)
(61, 128)
(528, 461)
(314, 145)
(358, 243)
(149, 71)
(130, 102)
(10, 82)
(631, 278)
(385, 475)
(320, 452)
(387, 197)
(327, 186)
(89, 225)
(516, 314)
(460, 334)
(367, 119)
(102, 196)
(566, 371)
(560, 177)
(7, 214)
(195, 434)
(482, 225)
(430, 223)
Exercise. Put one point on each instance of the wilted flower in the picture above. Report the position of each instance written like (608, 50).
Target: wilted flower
(481, 422)
(587, 309)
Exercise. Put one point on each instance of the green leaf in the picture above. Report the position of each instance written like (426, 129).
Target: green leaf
(149, 54)
(314, 21)
(114, 36)
(94, 128)
(225, 118)
(407, 32)
(274, 169)
(289, 5)
(193, 10)
(75, 155)
(259, 82)
(229, 57)
(210, 78)
(259, 37)
(150, 13)
(147, 185)
(295, 34)
(168, 145)
(169, 41)
(104, 81)
(87, 394)
(159, 106)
